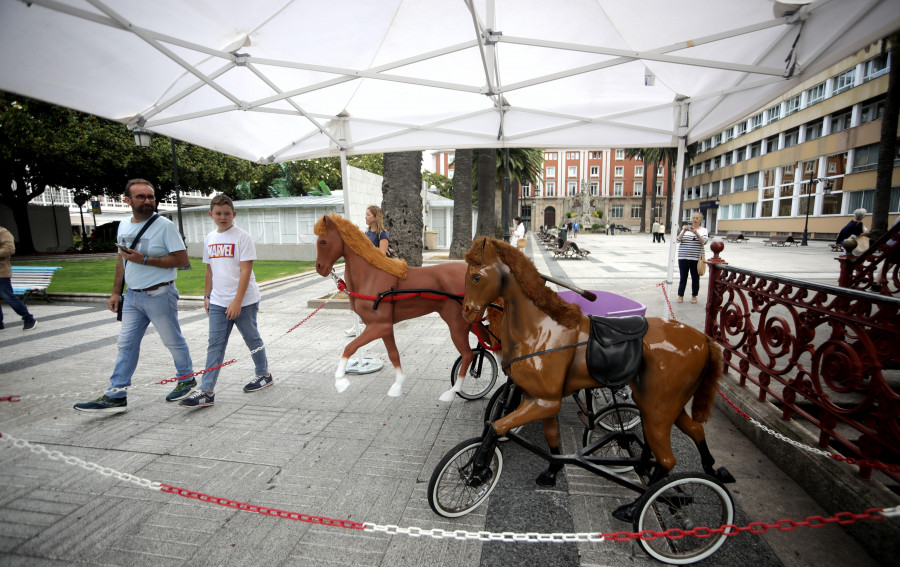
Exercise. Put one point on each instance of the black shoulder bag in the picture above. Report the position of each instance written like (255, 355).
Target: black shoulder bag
(122, 283)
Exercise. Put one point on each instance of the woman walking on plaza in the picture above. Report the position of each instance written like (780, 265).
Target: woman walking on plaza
(691, 241)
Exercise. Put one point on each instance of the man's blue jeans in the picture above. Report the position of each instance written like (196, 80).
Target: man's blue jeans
(159, 307)
(7, 295)
(219, 331)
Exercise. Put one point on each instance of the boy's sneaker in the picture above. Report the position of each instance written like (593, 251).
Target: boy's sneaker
(258, 383)
(198, 399)
(29, 325)
(182, 389)
(104, 404)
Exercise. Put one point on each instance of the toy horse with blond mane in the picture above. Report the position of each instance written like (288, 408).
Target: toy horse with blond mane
(544, 343)
(368, 272)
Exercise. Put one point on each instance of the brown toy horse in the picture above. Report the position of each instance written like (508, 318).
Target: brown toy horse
(679, 361)
(368, 272)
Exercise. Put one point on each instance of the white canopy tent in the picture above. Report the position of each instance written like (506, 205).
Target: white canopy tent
(282, 80)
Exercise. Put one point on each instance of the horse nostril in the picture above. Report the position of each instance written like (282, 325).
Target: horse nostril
(466, 308)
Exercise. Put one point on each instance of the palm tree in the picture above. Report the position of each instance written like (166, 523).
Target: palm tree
(650, 156)
(402, 204)
(483, 171)
(525, 165)
(462, 204)
(887, 149)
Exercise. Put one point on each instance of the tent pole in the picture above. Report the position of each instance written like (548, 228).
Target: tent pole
(345, 184)
(676, 196)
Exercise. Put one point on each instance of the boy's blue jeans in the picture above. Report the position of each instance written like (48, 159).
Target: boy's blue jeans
(219, 331)
(159, 307)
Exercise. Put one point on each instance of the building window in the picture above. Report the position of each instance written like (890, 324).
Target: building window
(861, 200)
(726, 159)
(659, 171)
(573, 171)
(752, 180)
(792, 105)
(717, 139)
(774, 113)
(595, 155)
(620, 171)
(872, 110)
(772, 144)
(573, 155)
(843, 81)
(840, 121)
(814, 129)
(756, 121)
(659, 189)
(768, 178)
(755, 149)
(836, 168)
(638, 188)
(749, 210)
(766, 209)
(551, 171)
(729, 134)
(620, 154)
(741, 129)
(784, 207)
(875, 67)
(726, 186)
(739, 155)
(526, 189)
(595, 188)
(618, 189)
(831, 204)
(865, 159)
(638, 170)
(616, 211)
(572, 188)
(595, 171)
(635, 211)
(815, 94)
(550, 155)
(791, 137)
(738, 184)
(551, 189)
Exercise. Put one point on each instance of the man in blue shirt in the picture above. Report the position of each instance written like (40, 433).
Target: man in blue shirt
(149, 269)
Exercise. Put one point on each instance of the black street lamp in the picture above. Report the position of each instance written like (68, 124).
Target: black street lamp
(810, 192)
(142, 140)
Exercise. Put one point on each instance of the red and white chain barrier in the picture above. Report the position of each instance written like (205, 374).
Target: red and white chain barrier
(842, 518)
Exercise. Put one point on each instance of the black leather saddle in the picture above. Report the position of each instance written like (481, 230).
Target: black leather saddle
(615, 349)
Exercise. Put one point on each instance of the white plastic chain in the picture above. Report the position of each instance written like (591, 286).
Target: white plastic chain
(75, 461)
(463, 535)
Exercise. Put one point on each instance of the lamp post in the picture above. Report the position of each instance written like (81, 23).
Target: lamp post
(142, 140)
(809, 197)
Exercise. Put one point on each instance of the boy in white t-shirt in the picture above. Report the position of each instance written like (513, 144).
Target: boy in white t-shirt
(231, 298)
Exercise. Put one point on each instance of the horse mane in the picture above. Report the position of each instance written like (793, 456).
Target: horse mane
(522, 268)
(362, 246)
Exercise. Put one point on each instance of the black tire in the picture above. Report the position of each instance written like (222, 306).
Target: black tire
(493, 411)
(449, 495)
(623, 417)
(477, 383)
(684, 501)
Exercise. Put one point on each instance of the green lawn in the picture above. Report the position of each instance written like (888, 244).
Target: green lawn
(96, 276)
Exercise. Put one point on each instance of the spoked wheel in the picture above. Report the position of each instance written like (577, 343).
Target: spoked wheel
(496, 408)
(623, 417)
(452, 491)
(684, 501)
(480, 378)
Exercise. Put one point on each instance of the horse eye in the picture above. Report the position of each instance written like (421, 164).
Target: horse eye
(321, 243)
(476, 278)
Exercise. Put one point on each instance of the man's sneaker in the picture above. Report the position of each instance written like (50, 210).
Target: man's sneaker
(182, 389)
(104, 404)
(29, 325)
(198, 399)
(259, 383)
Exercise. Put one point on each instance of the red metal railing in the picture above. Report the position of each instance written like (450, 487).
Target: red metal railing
(864, 271)
(819, 352)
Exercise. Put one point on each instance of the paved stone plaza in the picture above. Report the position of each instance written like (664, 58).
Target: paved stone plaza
(360, 455)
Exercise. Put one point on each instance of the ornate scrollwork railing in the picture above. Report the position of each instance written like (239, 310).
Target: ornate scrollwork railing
(824, 354)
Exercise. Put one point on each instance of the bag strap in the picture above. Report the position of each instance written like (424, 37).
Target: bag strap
(134, 243)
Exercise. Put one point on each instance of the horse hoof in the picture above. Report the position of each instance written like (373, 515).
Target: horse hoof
(395, 391)
(447, 396)
(341, 384)
(625, 512)
(723, 476)
(546, 478)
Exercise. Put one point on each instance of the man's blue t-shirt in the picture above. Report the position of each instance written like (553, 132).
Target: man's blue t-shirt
(161, 239)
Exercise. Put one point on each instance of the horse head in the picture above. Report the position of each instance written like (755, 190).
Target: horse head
(329, 245)
(484, 279)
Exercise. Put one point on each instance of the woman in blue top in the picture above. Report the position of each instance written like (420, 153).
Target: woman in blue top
(376, 232)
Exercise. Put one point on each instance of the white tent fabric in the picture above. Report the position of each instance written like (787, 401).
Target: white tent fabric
(281, 80)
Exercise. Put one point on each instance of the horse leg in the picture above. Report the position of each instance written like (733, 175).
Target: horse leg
(695, 431)
(459, 333)
(370, 333)
(551, 434)
(394, 356)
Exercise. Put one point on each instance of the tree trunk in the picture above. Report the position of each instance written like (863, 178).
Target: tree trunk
(402, 204)
(25, 245)
(644, 201)
(887, 148)
(487, 169)
(462, 204)
(669, 196)
(653, 194)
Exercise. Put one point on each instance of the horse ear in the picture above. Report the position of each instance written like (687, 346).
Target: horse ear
(489, 252)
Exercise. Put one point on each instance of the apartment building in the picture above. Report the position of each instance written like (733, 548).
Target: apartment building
(604, 179)
(812, 154)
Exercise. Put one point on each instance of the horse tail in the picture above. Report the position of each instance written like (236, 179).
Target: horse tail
(705, 396)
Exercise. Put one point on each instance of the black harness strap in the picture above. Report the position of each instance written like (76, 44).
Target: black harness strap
(524, 356)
